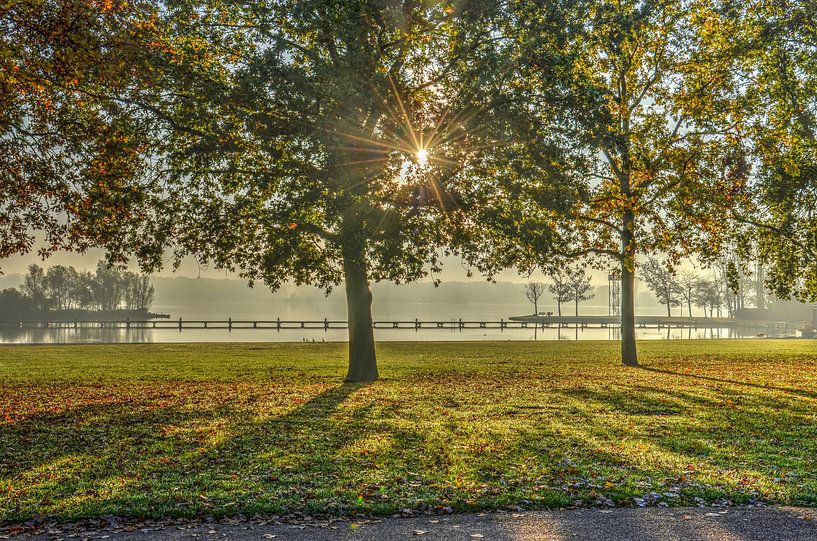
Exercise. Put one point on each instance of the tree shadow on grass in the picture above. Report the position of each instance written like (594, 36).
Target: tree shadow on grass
(799, 392)
(351, 448)
(325, 455)
(142, 459)
(738, 434)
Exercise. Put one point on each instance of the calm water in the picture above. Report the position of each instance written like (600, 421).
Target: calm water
(89, 335)
(384, 311)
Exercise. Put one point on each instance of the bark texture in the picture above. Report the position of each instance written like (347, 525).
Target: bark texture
(362, 358)
(629, 355)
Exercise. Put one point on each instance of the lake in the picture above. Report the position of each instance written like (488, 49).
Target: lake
(96, 335)
(382, 311)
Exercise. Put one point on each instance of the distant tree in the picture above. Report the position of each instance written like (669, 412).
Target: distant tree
(129, 290)
(560, 288)
(60, 284)
(708, 294)
(65, 288)
(139, 291)
(83, 290)
(15, 306)
(744, 285)
(661, 281)
(34, 286)
(759, 282)
(580, 287)
(734, 271)
(700, 296)
(687, 283)
(725, 276)
(109, 287)
(533, 291)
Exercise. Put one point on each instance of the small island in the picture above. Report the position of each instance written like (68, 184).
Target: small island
(62, 293)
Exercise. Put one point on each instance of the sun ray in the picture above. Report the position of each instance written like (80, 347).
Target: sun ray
(406, 118)
(359, 162)
(438, 193)
(442, 160)
(390, 146)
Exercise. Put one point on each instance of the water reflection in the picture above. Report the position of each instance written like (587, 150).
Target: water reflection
(139, 336)
(80, 335)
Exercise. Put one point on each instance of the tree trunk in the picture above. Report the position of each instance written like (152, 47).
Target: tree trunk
(629, 355)
(577, 307)
(535, 308)
(362, 359)
(669, 308)
(559, 308)
(689, 307)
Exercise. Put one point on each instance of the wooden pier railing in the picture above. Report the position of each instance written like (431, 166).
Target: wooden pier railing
(278, 324)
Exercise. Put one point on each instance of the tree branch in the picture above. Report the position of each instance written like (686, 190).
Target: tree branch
(599, 221)
(590, 251)
(769, 227)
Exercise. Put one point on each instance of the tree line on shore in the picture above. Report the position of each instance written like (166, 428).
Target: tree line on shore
(726, 290)
(61, 290)
(347, 142)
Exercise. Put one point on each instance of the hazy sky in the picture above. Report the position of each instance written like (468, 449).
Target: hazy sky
(453, 268)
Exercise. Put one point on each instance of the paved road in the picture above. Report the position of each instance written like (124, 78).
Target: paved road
(687, 524)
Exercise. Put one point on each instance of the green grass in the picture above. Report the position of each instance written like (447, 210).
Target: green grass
(151, 430)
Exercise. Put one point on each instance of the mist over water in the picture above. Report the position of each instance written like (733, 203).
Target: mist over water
(270, 310)
(169, 335)
(336, 310)
(218, 300)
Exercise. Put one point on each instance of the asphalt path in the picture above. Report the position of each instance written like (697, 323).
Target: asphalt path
(650, 524)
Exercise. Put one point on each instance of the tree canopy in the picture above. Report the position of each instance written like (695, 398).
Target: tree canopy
(658, 175)
(352, 141)
(71, 161)
(771, 51)
(325, 142)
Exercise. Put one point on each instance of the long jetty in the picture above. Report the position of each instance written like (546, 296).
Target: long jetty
(642, 321)
(517, 322)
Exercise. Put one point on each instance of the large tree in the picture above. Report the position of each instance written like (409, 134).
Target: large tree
(323, 142)
(659, 177)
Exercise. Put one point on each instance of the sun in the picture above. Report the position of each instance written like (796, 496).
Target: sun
(422, 157)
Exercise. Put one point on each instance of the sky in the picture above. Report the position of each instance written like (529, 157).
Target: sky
(453, 268)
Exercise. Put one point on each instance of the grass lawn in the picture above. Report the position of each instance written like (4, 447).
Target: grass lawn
(149, 430)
